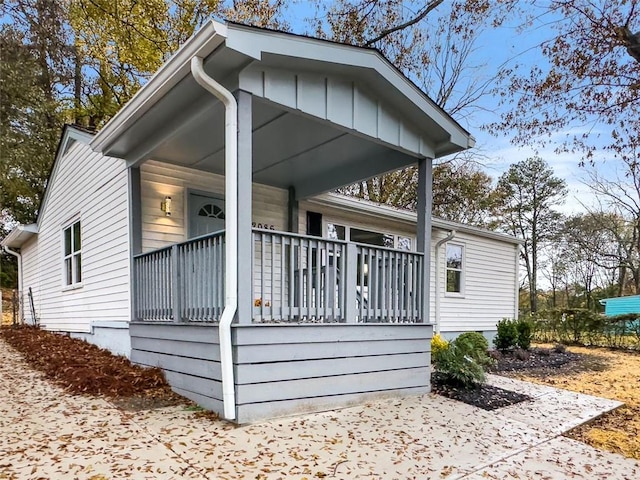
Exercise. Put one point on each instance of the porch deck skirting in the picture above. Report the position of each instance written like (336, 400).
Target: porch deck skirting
(284, 369)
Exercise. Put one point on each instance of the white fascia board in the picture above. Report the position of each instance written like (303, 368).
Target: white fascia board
(364, 206)
(202, 44)
(254, 42)
(19, 235)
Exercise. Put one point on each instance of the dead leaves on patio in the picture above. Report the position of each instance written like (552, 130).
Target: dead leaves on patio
(617, 376)
(83, 368)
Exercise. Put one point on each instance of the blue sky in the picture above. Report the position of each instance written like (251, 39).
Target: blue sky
(495, 47)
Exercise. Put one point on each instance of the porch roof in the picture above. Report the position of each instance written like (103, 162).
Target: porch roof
(323, 114)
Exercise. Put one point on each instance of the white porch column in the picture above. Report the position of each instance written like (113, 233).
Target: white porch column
(425, 203)
(245, 235)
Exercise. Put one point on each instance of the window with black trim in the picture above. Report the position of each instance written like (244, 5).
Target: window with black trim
(455, 268)
(72, 255)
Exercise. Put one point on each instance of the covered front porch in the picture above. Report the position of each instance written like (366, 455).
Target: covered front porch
(254, 322)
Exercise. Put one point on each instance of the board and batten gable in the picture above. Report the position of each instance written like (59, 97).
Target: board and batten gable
(86, 186)
(158, 180)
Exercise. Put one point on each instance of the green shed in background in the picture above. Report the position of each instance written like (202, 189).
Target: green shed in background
(621, 305)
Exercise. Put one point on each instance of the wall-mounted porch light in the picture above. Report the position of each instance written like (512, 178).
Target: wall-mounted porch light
(165, 206)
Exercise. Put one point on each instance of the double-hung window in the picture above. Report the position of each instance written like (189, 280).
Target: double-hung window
(455, 268)
(72, 255)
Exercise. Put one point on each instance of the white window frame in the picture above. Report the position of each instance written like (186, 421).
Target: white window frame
(349, 226)
(72, 257)
(461, 270)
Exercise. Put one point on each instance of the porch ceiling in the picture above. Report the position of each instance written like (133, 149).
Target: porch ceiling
(324, 115)
(289, 149)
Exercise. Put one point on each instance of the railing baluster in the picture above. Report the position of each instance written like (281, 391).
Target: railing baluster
(272, 298)
(301, 279)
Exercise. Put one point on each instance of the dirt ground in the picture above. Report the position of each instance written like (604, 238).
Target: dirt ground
(604, 373)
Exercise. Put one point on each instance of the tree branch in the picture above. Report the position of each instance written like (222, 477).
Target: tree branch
(385, 33)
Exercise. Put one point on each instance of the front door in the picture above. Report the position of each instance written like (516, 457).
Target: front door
(206, 214)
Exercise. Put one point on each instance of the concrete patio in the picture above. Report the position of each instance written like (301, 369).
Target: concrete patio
(46, 433)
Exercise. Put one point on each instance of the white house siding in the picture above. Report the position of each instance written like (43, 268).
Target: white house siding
(92, 188)
(489, 291)
(30, 278)
(489, 270)
(159, 180)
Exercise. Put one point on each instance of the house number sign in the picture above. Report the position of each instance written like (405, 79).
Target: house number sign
(265, 226)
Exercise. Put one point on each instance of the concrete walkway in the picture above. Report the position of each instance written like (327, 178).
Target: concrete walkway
(46, 433)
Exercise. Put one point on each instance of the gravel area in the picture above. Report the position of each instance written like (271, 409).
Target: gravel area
(46, 432)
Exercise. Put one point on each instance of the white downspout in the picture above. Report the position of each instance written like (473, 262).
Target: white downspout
(436, 252)
(19, 257)
(231, 230)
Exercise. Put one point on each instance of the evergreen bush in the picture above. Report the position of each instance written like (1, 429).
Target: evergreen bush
(457, 367)
(525, 333)
(507, 336)
(477, 340)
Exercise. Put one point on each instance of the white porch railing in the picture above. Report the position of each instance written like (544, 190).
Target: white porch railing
(296, 278)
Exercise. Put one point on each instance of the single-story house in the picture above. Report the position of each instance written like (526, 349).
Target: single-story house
(621, 305)
(194, 232)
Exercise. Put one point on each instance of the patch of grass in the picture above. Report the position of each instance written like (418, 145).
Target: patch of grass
(610, 374)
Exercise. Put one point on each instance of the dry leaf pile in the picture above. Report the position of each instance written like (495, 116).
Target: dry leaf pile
(609, 374)
(83, 368)
(6, 318)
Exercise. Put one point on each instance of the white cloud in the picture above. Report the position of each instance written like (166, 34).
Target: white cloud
(501, 154)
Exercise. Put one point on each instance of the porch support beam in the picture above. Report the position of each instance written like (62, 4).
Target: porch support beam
(135, 233)
(293, 211)
(425, 202)
(245, 235)
(135, 210)
(347, 174)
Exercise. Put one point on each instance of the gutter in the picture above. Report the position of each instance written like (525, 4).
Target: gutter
(231, 227)
(19, 257)
(436, 252)
(209, 37)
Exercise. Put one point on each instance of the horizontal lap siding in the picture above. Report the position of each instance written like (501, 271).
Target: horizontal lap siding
(622, 305)
(31, 277)
(189, 355)
(286, 369)
(489, 285)
(159, 180)
(92, 188)
(490, 269)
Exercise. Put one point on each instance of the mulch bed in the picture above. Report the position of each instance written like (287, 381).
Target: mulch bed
(82, 368)
(483, 396)
(543, 362)
(536, 362)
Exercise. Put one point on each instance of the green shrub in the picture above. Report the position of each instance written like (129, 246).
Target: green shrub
(525, 332)
(477, 340)
(457, 367)
(507, 336)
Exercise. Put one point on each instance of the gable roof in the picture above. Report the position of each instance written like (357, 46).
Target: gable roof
(231, 49)
(70, 135)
